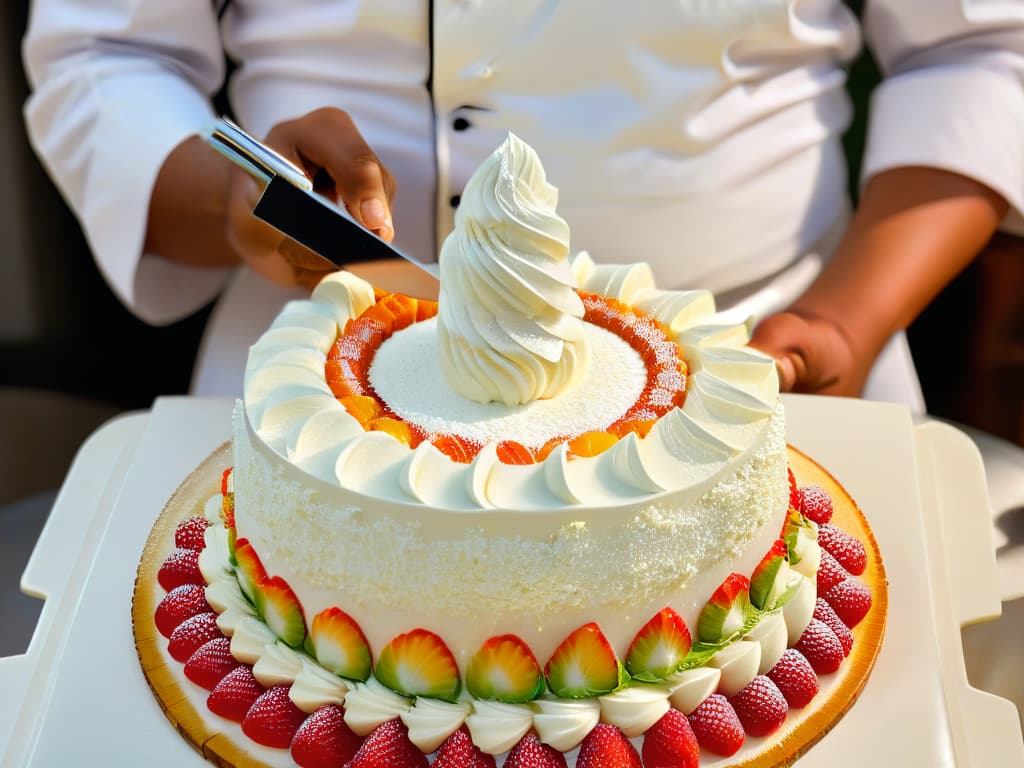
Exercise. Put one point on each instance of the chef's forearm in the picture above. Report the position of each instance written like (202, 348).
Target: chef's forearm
(188, 208)
(915, 229)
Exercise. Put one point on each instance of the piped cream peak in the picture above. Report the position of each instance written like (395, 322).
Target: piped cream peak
(510, 324)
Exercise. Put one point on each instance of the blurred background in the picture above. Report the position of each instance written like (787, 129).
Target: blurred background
(71, 356)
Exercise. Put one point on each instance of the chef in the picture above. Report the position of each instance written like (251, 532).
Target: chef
(701, 137)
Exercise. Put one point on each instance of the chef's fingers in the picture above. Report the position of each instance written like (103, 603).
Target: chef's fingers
(328, 139)
(811, 355)
(265, 250)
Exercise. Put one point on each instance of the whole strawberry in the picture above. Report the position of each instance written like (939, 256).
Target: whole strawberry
(716, 726)
(210, 662)
(273, 719)
(235, 694)
(459, 751)
(820, 646)
(323, 740)
(190, 533)
(848, 550)
(823, 612)
(607, 747)
(851, 601)
(388, 746)
(192, 633)
(795, 679)
(180, 567)
(179, 604)
(530, 752)
(670, 743)
(760, 706)
(815, 504)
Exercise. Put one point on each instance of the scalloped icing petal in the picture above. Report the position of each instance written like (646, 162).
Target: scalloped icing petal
(677, 310)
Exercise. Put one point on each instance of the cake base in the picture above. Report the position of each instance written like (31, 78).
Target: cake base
(223, 743)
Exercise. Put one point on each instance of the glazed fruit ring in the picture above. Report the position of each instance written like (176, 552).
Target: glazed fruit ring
(349, 360)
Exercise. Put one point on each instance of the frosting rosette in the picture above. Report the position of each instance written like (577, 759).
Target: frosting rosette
(510, 327)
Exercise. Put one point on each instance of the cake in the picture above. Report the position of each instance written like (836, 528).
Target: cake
(545, 518)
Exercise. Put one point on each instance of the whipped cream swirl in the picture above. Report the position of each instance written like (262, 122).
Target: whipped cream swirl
(510, 325)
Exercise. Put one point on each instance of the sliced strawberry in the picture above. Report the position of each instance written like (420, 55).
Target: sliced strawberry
(190, 533)
(418, 663)
(210, 662)
(717, 727)
(583, 665)
(670, 743)
(659, 647)
(281, 609)
(851, 601)
(179, 604)
(760, 706)
(815, 504)
(794, 494)
(607, 747)
(180, 567)
(794, 677)
(846, 549)
(830, 573)
(820, 647)
(323, 740)
(273, 720)
(250, 570)
(235, 694)
(504, 669)
(459, 751)
(388, 746)
(726, 611)
(769, 579)
(530, 752)
(823, 612)
(340, 645)
(191, 633)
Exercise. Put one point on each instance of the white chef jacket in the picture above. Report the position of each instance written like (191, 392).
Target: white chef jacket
(701, 137)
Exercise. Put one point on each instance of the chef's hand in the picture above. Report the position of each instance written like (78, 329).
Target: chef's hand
(812, 354)
(327, 145)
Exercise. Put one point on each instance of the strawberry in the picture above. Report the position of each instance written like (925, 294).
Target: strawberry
(226, 486)
(418, 663)
(823, 612)
(281, 610)
(820, 647)
(273, 720)
(323, 740)
(583, 665)
(760, 706)
(180, 567)
(504, 669)
(830, 572)
(210, 662)
(846, 549)
(340, 645)
(531, 753)
(659, 647)
(670, 743)
(459, 751)
(179, 604)
(815, 504)
(235, 694)
(190, 533)
(716, 726)
(794, 494)
(192, 633)
(726, 610)
(388, 746)
(607, 747)
(795, 678)
(851, 601)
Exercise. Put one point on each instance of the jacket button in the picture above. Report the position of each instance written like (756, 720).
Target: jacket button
(460, 124)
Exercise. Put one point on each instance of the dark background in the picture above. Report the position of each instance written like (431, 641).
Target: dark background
(67, 335)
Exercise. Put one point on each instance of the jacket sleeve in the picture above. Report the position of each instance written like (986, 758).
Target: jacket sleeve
(116, 85)
(953, 94)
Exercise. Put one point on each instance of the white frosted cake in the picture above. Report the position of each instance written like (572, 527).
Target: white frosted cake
(553, 501)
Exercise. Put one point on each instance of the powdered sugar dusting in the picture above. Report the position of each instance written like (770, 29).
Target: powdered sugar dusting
(406, 374)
